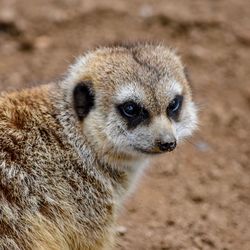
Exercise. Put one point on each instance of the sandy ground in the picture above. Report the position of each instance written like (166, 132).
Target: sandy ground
(197, 197)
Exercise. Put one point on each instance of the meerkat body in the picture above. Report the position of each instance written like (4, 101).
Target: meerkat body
(70, 152)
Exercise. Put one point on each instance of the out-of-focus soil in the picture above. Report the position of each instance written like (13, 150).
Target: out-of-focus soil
(199, 196)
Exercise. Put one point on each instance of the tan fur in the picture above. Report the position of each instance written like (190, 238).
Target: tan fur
(62, 180)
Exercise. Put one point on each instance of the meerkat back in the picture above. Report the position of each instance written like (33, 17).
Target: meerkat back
(71, 151)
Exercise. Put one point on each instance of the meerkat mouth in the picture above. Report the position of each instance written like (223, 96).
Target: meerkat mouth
(151, 152)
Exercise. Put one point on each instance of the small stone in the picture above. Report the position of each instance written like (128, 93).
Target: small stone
(202, 146)
(198, 52)
(7, 15)
(42, 42)
(146, 11)
(121, 230)
(215, 173)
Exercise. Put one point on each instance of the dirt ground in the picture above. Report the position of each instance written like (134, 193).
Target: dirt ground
(197, 197)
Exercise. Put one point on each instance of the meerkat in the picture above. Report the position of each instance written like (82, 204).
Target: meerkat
(71, 151)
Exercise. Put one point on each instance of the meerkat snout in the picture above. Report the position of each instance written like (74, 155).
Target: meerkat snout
(164, 133)
(167, 146)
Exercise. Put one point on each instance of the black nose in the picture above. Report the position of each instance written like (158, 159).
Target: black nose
(168, 146)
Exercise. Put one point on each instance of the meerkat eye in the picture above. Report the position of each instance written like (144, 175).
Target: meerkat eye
(133, 113)
(174, 107)
(130, 110)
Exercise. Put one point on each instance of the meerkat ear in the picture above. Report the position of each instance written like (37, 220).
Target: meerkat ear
(83, 96)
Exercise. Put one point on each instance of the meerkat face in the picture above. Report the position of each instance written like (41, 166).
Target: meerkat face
(133, 100)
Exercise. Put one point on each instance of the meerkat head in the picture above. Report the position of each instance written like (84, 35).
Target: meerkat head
(132, 100)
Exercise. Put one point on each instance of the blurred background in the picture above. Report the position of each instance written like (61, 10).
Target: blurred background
(197, 197)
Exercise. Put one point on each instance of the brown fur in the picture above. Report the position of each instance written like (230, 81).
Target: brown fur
(61, 180)
(42, 182)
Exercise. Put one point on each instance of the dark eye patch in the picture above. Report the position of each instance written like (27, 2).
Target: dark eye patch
(83, 99)
(174, 107)
(133, 113)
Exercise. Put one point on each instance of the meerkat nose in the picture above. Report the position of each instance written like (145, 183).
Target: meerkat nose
(167, 146)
